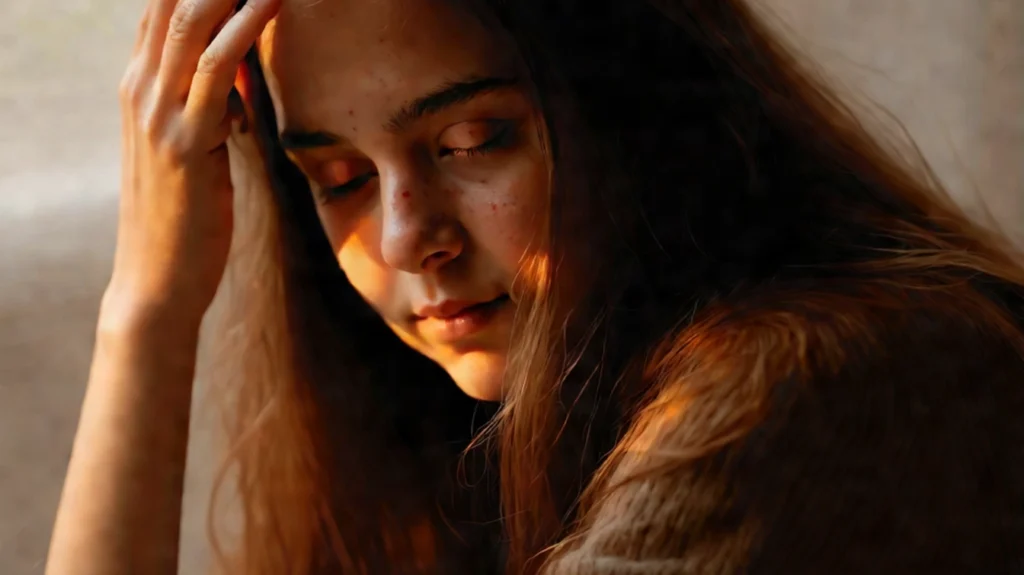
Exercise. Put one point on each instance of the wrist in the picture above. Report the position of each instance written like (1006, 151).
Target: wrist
(124, 315)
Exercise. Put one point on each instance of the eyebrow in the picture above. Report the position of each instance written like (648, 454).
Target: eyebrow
(444, 97)
(302, 140)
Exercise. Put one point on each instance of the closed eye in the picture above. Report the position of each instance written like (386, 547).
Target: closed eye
(353, 185)
(499, 139)
(500, 135)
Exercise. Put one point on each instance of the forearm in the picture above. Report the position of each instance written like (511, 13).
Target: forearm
(121, 506)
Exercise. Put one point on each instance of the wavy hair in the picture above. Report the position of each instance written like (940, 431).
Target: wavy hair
(693, 158)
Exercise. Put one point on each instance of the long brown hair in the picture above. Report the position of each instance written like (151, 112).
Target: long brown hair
(693, 158)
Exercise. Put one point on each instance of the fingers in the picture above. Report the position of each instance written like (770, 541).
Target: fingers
(140, 35)
(190, 30)
(216, 69)
(156, 30)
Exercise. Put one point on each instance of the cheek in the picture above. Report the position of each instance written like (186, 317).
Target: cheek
(505, 210)
(357, 247)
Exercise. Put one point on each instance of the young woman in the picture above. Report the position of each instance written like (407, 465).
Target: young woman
(720, 327)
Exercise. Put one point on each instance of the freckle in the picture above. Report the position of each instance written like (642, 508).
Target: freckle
(494, 207)
(406, 194)
(350, 113)
(484, 181)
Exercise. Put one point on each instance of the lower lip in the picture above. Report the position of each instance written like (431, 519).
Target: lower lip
(466, 323)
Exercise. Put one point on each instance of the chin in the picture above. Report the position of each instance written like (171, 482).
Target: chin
(479, 374)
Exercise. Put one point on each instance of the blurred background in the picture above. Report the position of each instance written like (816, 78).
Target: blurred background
(952, 71)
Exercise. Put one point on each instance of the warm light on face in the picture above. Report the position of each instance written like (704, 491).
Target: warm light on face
(421, 146)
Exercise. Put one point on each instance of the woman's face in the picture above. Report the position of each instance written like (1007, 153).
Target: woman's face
(416, 131)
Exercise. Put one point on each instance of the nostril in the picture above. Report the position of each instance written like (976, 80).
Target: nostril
(437, 259)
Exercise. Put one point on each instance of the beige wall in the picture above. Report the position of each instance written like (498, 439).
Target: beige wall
(952, 70)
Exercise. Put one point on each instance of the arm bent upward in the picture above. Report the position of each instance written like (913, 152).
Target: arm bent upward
(120, 511)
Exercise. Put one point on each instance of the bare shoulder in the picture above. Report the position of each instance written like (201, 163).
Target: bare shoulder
(866, 429)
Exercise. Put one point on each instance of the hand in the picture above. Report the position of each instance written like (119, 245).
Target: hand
(178, 105)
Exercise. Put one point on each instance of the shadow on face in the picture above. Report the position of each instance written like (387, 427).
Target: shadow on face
(414, 125)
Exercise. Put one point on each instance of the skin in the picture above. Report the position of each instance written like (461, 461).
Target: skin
(120, 510)
(433, 223)
(441, 206)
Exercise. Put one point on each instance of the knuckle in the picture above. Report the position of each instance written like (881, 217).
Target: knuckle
(132, 89)
(142, 27)
(247, 10)
(210, 63)
(182, 20)
(169, 136)
(180, 147)
(126, 89)
(151, 127)
(172, 149)
(179, 144)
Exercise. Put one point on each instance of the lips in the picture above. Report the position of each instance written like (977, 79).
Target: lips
(449, 309)
(454, 320)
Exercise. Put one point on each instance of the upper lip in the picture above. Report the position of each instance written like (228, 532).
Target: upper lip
(447, 308)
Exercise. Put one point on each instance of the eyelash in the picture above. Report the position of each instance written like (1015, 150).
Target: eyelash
(494, 142)
(348, 187)
(353, 185)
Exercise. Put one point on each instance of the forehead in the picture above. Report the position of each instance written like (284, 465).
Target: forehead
(322, 56)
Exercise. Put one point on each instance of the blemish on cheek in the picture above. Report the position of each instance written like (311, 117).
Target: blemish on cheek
(494, 207)
(483, 181)
(350, 112)
(406, 194)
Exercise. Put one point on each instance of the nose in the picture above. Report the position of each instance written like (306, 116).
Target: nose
(419, 234)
